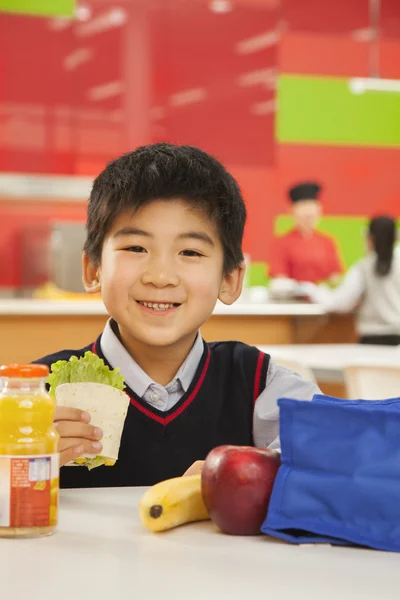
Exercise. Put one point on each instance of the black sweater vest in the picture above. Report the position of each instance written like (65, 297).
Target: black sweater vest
(216, 409)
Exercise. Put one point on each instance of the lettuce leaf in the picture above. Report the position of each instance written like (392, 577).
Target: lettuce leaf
(99, 461)
(87, 368)
(92, 463)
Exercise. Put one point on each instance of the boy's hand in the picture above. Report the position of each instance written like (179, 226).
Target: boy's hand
(77, 436)
(195, 469)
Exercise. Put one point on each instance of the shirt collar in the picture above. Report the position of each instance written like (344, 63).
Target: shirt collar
(188, 368)
(134, 375)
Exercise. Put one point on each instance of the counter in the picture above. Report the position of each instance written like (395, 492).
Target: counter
(30, 329)
(95, 307)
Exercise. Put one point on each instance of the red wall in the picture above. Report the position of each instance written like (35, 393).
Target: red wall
(59, 115)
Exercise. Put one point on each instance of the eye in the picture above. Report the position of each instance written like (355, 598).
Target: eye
(191, 253)
(135, 249)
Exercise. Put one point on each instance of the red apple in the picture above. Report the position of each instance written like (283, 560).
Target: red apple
(237, 483)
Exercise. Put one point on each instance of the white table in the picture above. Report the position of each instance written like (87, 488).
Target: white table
(328, 360)
(101, 552)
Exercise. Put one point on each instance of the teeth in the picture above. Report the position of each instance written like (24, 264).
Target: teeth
(157, 306)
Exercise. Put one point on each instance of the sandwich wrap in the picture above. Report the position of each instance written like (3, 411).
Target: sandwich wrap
(90, 385)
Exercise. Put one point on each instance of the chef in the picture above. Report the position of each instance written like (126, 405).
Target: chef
(305, 254)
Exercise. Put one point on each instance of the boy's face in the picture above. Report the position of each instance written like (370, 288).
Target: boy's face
(161, 273)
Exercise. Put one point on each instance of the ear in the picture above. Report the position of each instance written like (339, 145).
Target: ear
(90, 275)
(231, 285)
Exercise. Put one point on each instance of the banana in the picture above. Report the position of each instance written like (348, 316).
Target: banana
(172, 503)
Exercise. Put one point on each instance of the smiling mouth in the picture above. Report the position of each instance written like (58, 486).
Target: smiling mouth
(159, 305)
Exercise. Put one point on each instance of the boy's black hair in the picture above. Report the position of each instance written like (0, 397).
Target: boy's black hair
(166, 171)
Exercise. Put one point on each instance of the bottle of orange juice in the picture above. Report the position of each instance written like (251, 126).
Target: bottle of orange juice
(29, 459)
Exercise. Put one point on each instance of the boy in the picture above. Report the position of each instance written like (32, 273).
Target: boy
(164, 234)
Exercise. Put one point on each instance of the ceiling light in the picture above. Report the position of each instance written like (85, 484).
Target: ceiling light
(258, 42)
(263, 108)
(117, 16)
(76, 58)
(359, 85)
(366, 34)
(220, 6)
(185, 97)
(105, 91)
(59, 23)
(83, 12)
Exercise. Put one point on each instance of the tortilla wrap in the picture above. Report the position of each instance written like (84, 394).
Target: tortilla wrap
(107, 407)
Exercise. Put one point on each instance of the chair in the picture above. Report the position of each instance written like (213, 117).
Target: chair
(372, 383)
(301, 369)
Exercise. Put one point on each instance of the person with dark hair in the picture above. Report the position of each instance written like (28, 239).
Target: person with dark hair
(371, 287)
(164, 243)
(305, 254)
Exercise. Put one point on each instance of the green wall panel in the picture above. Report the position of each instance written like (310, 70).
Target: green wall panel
(44, 8)
(324, 110)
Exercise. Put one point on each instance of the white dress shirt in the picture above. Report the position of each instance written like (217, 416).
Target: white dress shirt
(281, 382)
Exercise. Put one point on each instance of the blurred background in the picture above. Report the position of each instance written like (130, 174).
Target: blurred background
(279, 90)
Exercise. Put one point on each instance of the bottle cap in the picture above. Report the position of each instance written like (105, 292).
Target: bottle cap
(26, 371)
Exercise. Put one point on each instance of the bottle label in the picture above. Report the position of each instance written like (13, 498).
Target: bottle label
(29, 490)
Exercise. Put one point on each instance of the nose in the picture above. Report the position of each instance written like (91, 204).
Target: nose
(160, 273)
